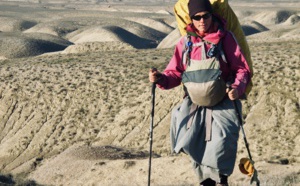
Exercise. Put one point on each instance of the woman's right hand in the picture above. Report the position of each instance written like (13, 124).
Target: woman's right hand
(154, 75)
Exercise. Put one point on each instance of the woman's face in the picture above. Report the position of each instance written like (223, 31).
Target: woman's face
(202, 21)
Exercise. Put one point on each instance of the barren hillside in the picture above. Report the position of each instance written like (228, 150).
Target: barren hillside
(81, 115)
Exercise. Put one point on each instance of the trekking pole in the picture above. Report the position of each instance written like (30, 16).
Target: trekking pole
(244, 136)
(151, 127)
(243, 131)
(255, 176)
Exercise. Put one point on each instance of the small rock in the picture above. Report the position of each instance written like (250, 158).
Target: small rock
(284, 161)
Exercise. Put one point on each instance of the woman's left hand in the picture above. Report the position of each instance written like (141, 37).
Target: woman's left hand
(232, 94)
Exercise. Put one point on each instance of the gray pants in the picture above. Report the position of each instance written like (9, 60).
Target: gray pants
(210, 158)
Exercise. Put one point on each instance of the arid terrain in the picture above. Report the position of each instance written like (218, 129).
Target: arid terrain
(75, 100)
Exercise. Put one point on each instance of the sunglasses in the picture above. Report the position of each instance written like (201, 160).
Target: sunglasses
(199, 17)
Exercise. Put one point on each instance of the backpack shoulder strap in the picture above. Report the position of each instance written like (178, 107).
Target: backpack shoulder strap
(222, 54)
(216, 50)
(186, 50)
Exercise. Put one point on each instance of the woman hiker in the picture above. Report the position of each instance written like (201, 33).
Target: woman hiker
(205, 126)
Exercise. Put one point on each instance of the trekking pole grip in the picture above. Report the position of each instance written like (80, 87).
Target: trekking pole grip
(153, 85)
(153, 88)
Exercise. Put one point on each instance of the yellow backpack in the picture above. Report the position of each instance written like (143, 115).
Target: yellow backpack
(222, 8)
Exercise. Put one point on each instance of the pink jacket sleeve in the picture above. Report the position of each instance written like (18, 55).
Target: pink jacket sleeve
(237, 63)
(172, 74)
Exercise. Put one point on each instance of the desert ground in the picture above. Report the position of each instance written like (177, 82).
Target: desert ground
(75, 100)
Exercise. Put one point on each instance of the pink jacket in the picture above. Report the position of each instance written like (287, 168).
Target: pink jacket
(237, 63)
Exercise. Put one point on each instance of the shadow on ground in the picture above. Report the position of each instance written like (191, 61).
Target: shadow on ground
(6, 180)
